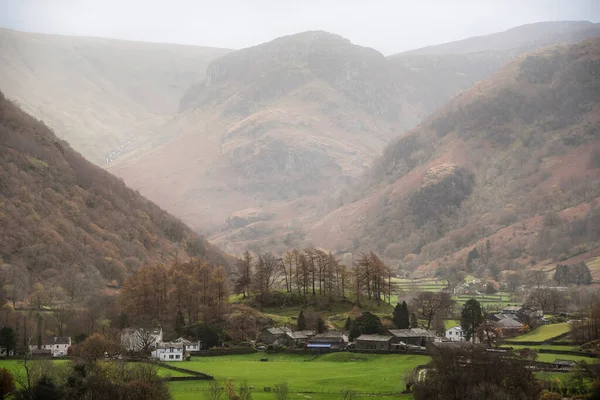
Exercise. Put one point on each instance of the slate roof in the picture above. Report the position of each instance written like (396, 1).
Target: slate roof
(52, 340)
(374, 338)
(168, 345)
(507, 323)
(297, 335)
(330, 336)
(412, 333)
(278, 331)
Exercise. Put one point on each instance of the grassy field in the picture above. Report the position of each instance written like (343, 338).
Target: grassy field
(543, 333)
(328, 374)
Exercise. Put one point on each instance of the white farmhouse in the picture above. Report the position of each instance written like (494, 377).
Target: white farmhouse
(57, 345)
(455, 334)
(189, 345)
(168, 351)
(138, 339)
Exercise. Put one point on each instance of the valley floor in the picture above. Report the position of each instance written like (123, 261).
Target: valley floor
(309, 377)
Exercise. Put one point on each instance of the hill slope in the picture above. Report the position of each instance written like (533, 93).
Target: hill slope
(269, 132)
(522, 143)
(276, 130)
(453, 67)
(62, 218)
(98, 93)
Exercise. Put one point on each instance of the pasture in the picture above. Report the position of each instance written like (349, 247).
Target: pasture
(543, 333)
(322, 376)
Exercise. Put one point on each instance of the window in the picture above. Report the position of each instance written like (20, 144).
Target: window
(177, 356)
(170, 356)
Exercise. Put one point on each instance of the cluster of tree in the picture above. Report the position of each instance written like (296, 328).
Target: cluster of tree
(588, 329)
(313, 272)
(176, 296)
(576, 274)
(474, 374)
(365, 324)
(106, 380)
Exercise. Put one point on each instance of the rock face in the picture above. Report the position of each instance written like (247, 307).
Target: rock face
(443, 189)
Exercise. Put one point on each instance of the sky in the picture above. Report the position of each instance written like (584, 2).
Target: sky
(390, 26)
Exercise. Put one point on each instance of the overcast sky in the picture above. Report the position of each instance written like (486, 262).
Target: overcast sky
(389, 26)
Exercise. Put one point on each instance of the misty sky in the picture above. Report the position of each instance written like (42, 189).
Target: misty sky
(390, 26)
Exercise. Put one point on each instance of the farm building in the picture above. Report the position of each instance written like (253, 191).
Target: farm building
(414, 337)
(455, 334)
(57, 345)
(373, 342)
(189, 345)
(137, 339)
(169, 351)
(293, 339)
(508, 326)
(512, 310)
(330, 340)
(271, 335)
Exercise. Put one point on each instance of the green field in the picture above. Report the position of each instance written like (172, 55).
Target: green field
(543, 346)
(327, 375)
(543, 333)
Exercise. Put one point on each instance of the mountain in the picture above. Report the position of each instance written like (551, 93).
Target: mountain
(511, 151)
(433, 75)
(98, 94)
(62, 218)
(526, 37)
(270, 131)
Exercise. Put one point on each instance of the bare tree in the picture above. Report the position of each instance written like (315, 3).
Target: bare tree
(428, 304)
(281, 391)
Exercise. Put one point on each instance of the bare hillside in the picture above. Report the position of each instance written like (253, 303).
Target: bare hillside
(98, 93)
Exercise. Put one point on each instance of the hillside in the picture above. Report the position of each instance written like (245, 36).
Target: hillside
(98, 94)
(526, 37)
(270, 132)
(453, 67)
(521, 144)
(276, 133)
(65, 221)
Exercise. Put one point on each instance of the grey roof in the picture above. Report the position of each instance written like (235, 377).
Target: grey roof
(278, 331)
(330, 336)
(507, 323)
(374, 338)
(411, 333)
(183, 340)
(168, 345)
(51, 340)
(296, 335)
(309, 333)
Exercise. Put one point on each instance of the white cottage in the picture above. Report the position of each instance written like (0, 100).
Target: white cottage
(455, 334)
(169, 351)
(189, 345)
(58, 345)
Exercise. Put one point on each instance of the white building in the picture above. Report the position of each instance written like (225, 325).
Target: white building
(168, 351)
(58, 345)
(455, 334)
(189, 345)
(138, 339)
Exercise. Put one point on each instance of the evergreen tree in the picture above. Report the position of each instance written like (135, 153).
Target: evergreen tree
(414, 323)
(321, 325)
(401, 316)
(405, 322)
(471, 317)
(354, 331)
(397, 316)
(369, 323)
(348, 324)
(8, 341)
(301, 321)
